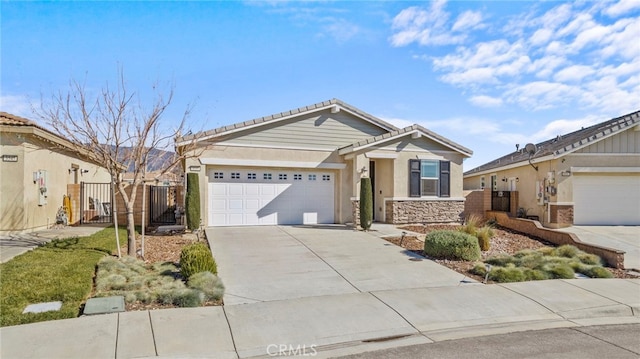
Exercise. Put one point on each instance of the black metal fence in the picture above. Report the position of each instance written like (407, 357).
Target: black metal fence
(501, 201)
(162, 205)
(95, 203)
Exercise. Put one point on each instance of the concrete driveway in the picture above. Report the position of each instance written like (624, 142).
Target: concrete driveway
(626, 238)
(271, 263)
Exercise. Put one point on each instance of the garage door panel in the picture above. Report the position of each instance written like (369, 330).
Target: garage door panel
(606, 200)
(290, 197)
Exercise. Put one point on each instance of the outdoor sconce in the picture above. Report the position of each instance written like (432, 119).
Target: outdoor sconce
(84, 171)
(504, 179)
(364, 170)
(72, 170)
(517, 179)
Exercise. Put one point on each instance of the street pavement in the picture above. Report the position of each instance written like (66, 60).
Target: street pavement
(344, 305)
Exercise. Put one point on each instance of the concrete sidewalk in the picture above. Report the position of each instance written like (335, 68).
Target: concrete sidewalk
(12, 245)
(332, 325)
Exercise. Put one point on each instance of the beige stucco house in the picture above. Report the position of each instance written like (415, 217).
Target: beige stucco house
(304, 166)
(35, 168)
(587, 177)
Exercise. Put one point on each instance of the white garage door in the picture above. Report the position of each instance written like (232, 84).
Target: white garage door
(246, 197)
(606, 200)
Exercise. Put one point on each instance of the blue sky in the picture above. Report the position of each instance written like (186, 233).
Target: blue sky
(486, 74)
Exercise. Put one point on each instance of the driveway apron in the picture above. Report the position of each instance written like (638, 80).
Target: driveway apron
(286, 262)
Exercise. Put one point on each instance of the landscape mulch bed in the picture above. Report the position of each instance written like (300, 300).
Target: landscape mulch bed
(504, 241)
(162, 247)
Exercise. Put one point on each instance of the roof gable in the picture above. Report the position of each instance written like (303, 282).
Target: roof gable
(334, 106)
(415, 131)
(565, 144)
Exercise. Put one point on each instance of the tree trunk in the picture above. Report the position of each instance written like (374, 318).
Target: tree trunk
(131, 231)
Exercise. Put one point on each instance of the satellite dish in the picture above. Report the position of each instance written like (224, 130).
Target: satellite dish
(531, 149)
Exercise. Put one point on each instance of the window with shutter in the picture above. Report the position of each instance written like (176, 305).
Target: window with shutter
(429, 178)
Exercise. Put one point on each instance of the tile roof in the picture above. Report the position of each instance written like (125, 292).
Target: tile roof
(13, 120)
(413, 128)
(274, 117)
(565, 144)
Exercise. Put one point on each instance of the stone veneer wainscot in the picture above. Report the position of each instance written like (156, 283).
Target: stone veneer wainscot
(424, 211)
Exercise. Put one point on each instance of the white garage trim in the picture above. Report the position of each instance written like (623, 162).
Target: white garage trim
(267, 196)
(606, 199)
(261, 163)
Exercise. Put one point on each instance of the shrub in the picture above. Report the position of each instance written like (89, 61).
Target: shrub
(192, 201)
(452, 245)
(471, 223)
(534, 274)
(484, 235)
(366, 203)
(507, 274)
(567, 251)
(479, 269)
(588, 258)
(196, 258)
(208, 283)
(501, 260)
(561, 271)
(596, 272)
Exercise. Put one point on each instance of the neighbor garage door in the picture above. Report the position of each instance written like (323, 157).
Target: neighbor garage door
(246, 197)
(606, 199)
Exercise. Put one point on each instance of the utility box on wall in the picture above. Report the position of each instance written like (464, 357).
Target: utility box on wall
(40, 179)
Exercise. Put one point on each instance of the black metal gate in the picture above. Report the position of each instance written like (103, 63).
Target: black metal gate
(95, 203)
(162, 205)
(501, 201)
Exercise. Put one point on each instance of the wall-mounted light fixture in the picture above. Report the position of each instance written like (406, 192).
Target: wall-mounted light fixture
(84, 171)
(504, 179)
(364, 170)
(517, 179)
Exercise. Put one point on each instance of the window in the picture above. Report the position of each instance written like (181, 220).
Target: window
(326, 177)
(282, 176)
(235, 175)
(297, 177)
(312, 177)
(218, 175)
(494, 182)
(266, 176)
(251, 176)
(482, 182)
(429, 178)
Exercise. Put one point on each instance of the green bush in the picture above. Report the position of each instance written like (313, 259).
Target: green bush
(567, 251)
(479, 269)
(196, 258)
(501, 260)
(208, 283)
(588, 258)
(562, 271)
(366, 203)
(507, 274)
(471, 223)
(192, 201)
(452, 245)
(596, 272)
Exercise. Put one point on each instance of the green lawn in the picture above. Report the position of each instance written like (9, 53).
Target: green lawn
(62, 270)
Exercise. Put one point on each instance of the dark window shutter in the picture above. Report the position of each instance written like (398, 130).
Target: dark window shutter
(414, 178)
(445, 178)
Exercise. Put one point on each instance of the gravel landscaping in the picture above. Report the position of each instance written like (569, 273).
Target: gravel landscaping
(504, 241)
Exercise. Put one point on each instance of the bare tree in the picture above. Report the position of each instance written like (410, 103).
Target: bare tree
(118, 131)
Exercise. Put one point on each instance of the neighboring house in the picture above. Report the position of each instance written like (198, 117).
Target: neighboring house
(304, 167)
(587, 177)
(36, 167)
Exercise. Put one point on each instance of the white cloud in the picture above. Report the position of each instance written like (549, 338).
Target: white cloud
(423, 26)
(545, 57)
(340, 30)
(573, 73)
(622, 7)
(485, 101)
(563, 127)
(16, 105)
(468, 20)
